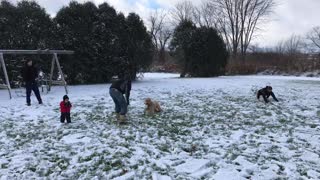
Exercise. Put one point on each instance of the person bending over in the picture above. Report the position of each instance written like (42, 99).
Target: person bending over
(266, 93)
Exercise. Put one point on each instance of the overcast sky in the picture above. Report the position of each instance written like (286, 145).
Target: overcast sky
(290, 16)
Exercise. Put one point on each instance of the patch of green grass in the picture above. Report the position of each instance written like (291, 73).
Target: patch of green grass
(282, 121)
(290, 140)
(267, 113)
(313, 125)
(4, 166)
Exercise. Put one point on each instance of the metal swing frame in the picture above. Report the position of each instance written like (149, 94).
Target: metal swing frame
(55, 61)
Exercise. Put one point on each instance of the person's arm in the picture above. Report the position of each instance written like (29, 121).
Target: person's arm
(70, 104)
(274, 97)
(23, 74)
(128, 89)
(61, 105)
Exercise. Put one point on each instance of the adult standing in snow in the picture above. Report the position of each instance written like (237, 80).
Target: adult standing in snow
(120, 87)
(266, 93)
(30, 74)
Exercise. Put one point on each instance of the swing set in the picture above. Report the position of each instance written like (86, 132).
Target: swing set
(55, 61)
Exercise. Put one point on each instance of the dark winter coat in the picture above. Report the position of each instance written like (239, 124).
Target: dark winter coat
(30, 74)
(266, 94)
(123, 86)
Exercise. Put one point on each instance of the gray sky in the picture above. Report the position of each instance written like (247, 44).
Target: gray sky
(290, 16)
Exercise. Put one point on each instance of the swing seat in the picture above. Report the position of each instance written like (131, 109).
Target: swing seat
(57, 82)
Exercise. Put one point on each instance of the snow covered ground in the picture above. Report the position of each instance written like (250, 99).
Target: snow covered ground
(211, 128)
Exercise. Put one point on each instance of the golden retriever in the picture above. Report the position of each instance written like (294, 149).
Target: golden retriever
(152, 107)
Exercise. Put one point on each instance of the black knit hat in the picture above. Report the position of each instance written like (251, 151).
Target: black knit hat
(65, 97)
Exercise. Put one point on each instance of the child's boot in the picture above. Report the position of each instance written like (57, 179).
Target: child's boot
(118, 116)
(122, 119)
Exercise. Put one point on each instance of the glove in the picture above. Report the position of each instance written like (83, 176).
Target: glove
(68, 104)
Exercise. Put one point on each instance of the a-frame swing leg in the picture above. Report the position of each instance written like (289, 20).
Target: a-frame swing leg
(51, 73)
(55, 56)
(5, 73)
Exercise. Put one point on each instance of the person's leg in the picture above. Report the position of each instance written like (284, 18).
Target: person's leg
(68, 117)
(62, 117)
(121, 101)
(119, 98)
(37, 92)
(123, 105)
(113, 94)
(28, 93)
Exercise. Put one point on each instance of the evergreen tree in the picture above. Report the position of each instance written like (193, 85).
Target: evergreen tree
(105, 42)
(180, 43)
(76, 24)
(25, 26)
(207, 53)
(109, 28)
(201, 51)
(139, 45)
(8, 19)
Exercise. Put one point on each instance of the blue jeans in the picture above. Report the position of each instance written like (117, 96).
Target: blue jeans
(32, 86)
(119, 101)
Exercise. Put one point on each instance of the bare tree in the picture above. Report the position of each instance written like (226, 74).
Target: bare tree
(280, 47)
(239, 21)
(182, 11)
(160, 32)
(293, 45)
(314, 36)
(204, 15)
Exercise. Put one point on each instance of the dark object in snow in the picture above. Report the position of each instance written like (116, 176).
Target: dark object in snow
(266, 93)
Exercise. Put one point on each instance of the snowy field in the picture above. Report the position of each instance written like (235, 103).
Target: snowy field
(211, 128)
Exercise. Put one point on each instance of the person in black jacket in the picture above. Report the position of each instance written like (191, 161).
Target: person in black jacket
(30, 74)
(266, 93)
(119, 87)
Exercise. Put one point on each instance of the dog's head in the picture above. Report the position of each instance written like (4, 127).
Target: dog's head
(148, 101)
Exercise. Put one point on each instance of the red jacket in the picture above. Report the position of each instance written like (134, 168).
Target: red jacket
(65, 108)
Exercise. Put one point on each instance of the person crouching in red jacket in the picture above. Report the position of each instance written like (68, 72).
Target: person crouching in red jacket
(65, 107)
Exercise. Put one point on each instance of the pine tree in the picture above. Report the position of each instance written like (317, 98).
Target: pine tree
(139, 45)
(105, 42)
(76, 24)
(25, 26)
(200, 51)
(207, 53)
(180, 44)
